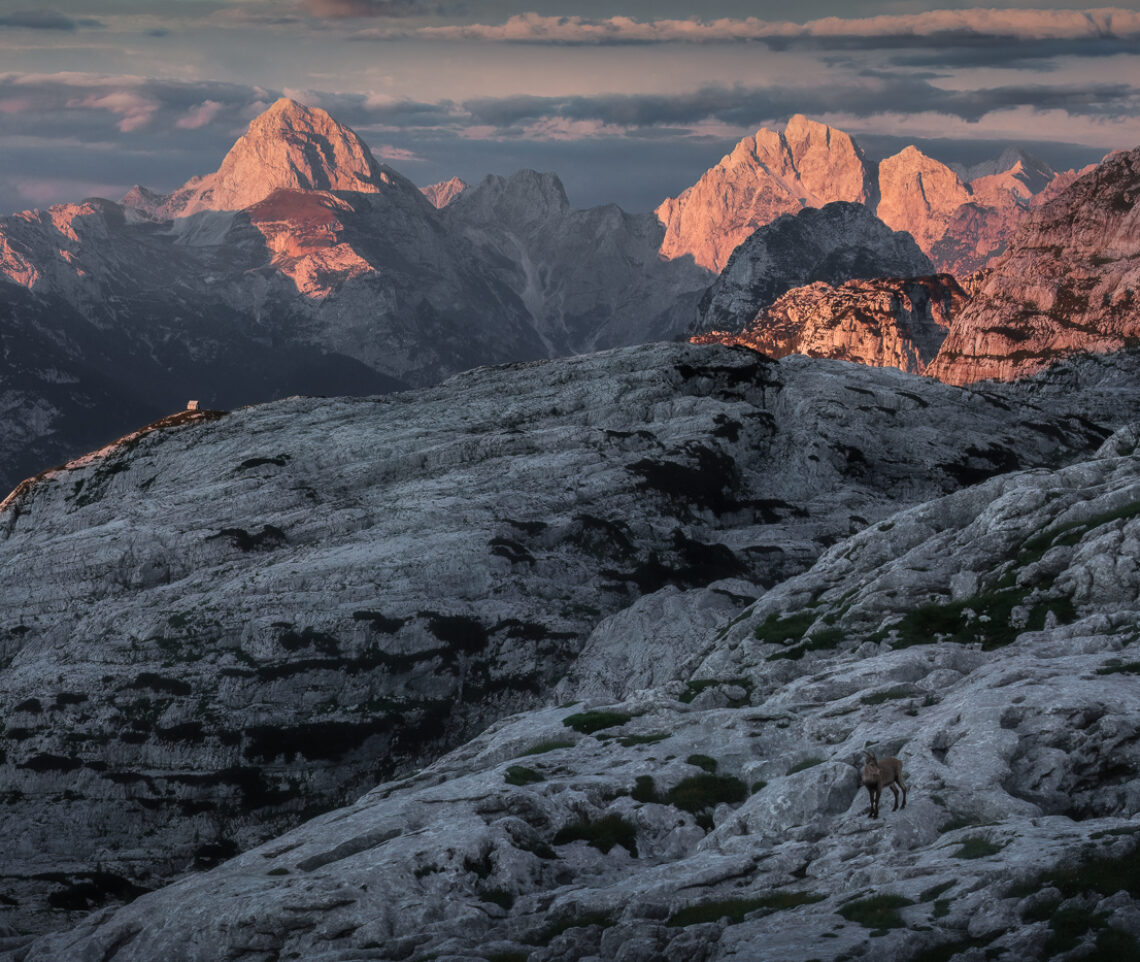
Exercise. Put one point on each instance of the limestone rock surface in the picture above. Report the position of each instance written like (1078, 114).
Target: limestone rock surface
(216, 627)
(986, 639)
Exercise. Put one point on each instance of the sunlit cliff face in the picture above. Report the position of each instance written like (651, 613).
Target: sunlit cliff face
(881, 323)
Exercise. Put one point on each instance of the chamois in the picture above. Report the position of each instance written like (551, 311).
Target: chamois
(878, 775)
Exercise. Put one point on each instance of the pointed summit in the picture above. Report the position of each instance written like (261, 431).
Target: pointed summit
(808, 164)
(288, 146)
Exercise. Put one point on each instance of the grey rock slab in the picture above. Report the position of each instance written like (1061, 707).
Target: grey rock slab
(217, 628)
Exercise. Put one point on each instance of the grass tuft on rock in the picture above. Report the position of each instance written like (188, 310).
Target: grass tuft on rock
(520, 775)
(735, 910)
(700, 794)
(805, 764)
(550, 745)
(602, 834)
(630, 740)
(705, 762)
(877, 912)
(588, 722)
(977, 846)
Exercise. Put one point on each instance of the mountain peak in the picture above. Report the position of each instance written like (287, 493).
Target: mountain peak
(289, 146)
(808, 164)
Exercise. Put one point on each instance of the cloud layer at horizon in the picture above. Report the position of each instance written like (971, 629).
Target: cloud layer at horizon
(440, 95)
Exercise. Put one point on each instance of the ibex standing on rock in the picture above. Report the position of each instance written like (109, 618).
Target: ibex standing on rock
(878, 775)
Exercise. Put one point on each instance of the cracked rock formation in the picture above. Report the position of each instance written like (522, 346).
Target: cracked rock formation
(217, 627)
(834, 244)
(1067, 284)
(986, 638)
(883, 323)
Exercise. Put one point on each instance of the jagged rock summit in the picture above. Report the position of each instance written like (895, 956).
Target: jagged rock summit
(809, 164)
(289, 146)
(444, 192)
(961, 225)
(839, 242)
(1068, 283)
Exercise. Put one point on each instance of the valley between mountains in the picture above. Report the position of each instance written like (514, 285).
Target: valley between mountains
(550, 634)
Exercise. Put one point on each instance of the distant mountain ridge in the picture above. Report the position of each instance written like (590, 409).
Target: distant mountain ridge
(304, 265)
(1066, 285)
(960, 223)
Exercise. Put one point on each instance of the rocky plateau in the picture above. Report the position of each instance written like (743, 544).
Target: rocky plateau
(700, 798)
(217, 626)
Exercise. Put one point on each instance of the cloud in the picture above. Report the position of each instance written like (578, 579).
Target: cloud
(134, 109)
(939, 27)
(344, 9)
(45, 20)
(744, 107)
(200, 116)
(388, 152)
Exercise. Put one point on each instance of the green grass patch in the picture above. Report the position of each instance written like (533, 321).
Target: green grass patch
(602, 834)
(551, 745)
(775, 630)
(705, 762)
(826, 640)
(519, 775)
(1105, 874)
(630, 740)
(876, 912)
(930, 894)
(758, 786)
(694, 688)
(1073, 531)
(989, 625)
(589, 722)
(1123, 831)
(947, 950)
(977, 846)
(644, 789)
(1068, 926)
(735, 910)
(887, 694)
(702, 792)
(1114, 945)
(805, 764)
(960, 821)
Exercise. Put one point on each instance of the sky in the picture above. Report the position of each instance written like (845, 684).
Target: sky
(629, 102)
